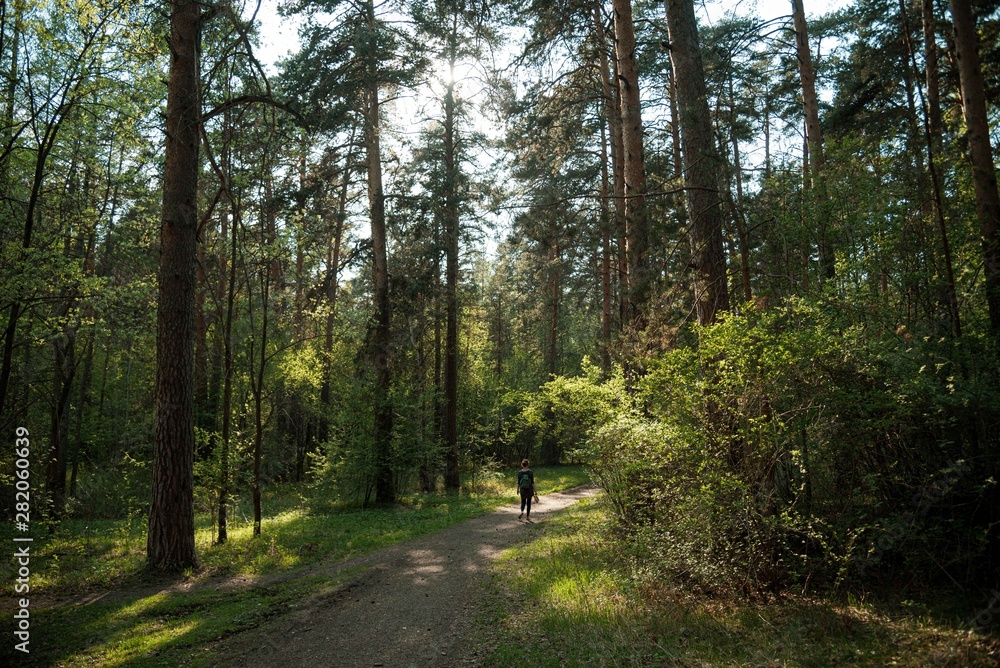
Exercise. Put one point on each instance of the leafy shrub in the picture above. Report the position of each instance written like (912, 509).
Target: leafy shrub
(565, 410)
(791, 446)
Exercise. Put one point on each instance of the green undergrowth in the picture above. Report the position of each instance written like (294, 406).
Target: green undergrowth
(110, 613)
(567, 599)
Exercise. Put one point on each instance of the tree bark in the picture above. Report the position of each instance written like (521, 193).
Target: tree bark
(332, 284)
(605, 255)
(257, 385)
(742, 235)
(933, 146)
(814, 137)
(984, 178)
(931, 75)
(64, 367)
(227, 380)
(612, 110)
(633, 161)
(553, 333)
(384, 484)
(451, 225)
(170, 543)
(702, 167)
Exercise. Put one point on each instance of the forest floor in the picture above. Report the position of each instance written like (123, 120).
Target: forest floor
(490, 592)
(413, 604)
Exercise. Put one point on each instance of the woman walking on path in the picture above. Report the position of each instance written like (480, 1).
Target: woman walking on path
(526, 485)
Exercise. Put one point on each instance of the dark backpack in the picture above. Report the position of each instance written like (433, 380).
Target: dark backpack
(525, 482)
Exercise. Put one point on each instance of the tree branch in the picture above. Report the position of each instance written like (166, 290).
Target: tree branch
(251, 99)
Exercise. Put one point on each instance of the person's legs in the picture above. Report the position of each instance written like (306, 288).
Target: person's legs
(527, 499)
(523, 500)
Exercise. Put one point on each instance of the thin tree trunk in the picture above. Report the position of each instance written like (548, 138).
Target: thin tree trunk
(82, 400)
(605, 255)
(170, 543)
(227, 379)
(451, 222)
(612, 110)
(10, 93)
(553, 333)
(737, 203)
(332, 284)
(64, 368)
(258, 399)
(702, 167)
(88, 361)
(929, 138)
(675, 136)
(931, 75)
(984, 178)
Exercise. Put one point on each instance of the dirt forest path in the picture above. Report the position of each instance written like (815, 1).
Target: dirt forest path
(411, 605)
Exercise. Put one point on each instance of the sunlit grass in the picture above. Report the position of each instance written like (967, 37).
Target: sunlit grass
(125, 626)
(296, 529)
(162, 629)
(565, 599)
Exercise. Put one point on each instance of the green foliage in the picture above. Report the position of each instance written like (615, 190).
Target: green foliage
(570, 598)
(176, 627)
(790, 443)
(565, 410)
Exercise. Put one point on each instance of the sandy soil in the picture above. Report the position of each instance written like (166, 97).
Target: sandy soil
(412, 605)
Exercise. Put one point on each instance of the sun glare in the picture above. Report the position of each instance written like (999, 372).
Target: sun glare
(461, 73)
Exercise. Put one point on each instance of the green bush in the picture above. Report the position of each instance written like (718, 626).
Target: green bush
(792, 446)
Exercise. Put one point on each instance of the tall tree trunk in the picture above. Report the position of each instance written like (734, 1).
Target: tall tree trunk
(451, 231)
(64, 367)
(612, 110)
(83, 398)
(204, 418)
(10, 91)
(257, 385)
(931, 75)
(170, 543)
(227, 379)
(737, 203)
(385, 491)
(675, 136)
(605, 255)
(814, 137)
(438, 357)
(984, 179)
(553, 331)
(637, 225)
(332, 284)
(932, 145)
(702, 167)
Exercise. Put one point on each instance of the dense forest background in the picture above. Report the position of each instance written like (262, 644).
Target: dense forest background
(749, 273)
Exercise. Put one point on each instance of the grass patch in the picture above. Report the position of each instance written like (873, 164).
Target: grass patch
(565, 600)
(160, 629)
(297, 529)
(129, 626)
